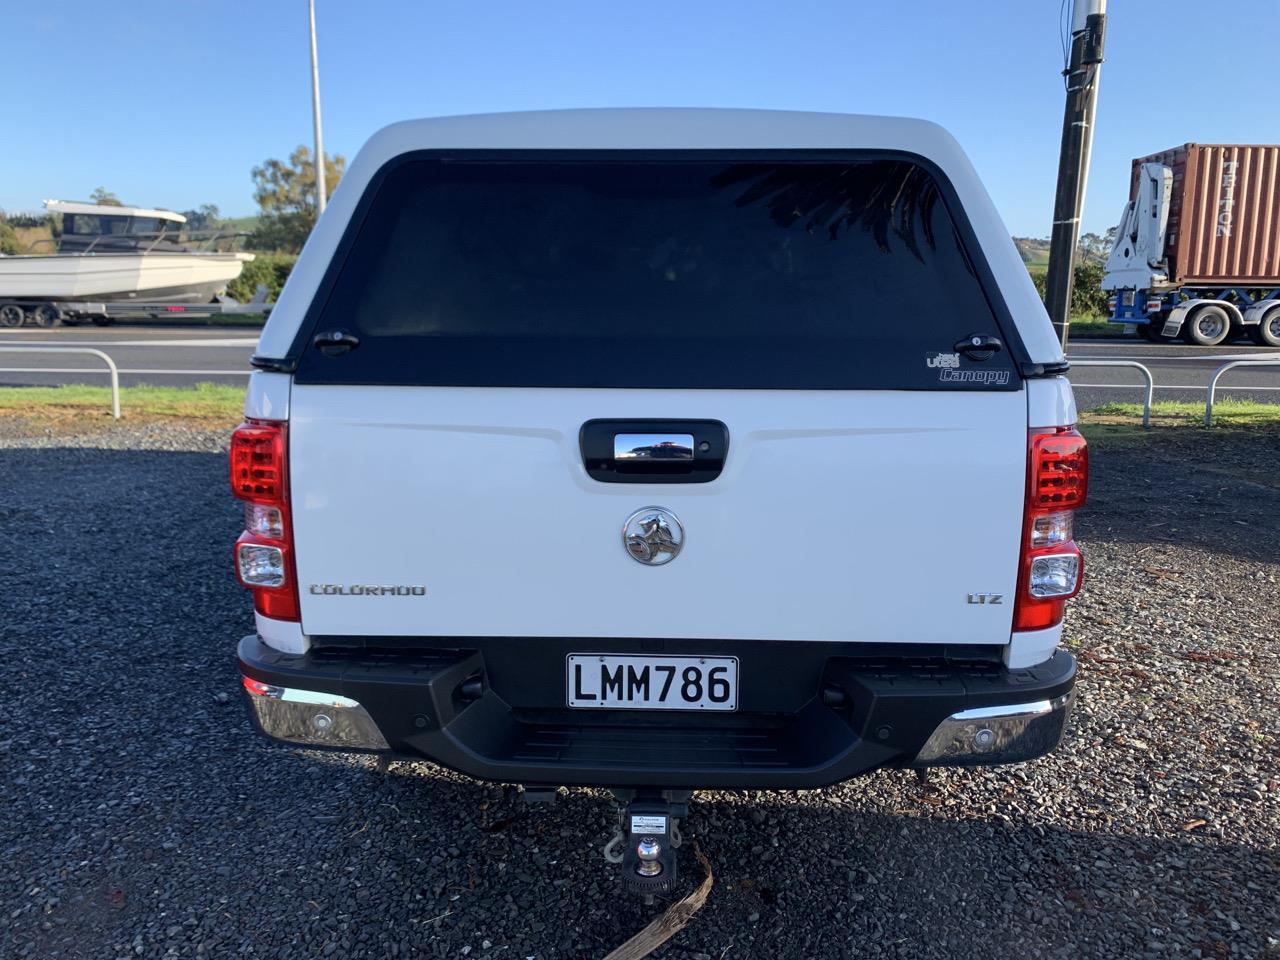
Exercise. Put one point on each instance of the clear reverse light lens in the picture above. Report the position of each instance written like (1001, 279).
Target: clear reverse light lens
(260, 566)
(1051, 529)
(1055, 575)
(263, 521)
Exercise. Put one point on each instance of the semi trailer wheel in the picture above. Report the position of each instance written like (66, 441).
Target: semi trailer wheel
(1207, 327)
(11, 315)
(1267, 332)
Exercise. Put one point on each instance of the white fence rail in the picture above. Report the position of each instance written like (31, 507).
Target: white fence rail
(111, 367)
(1217, 374)
(1150, 387)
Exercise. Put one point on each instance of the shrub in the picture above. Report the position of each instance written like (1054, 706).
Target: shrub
(271, 269)
(1088, 299)
(1038, 275)
(8, 238)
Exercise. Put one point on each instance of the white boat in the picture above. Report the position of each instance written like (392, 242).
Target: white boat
(118, 253)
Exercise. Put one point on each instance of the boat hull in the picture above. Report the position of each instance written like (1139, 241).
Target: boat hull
(181, 277)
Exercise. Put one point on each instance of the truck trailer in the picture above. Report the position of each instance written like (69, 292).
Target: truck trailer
(1197, 250)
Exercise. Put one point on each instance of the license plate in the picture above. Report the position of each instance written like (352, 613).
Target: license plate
(652, 683)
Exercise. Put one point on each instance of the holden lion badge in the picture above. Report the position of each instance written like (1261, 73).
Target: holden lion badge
(653, 536)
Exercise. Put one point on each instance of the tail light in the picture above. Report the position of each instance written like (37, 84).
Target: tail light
(1051, 568)
(264, 552)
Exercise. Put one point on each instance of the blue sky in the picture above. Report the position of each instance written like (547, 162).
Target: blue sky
(171, 102)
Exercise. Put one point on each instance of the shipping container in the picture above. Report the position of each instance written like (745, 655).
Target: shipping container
(1224, 213)
(1197, 250)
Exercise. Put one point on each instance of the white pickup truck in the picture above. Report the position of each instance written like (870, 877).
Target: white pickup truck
(658, 450)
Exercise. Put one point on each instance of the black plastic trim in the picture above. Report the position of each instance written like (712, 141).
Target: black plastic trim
(273, 364)
(786, 733)
(1039, 371)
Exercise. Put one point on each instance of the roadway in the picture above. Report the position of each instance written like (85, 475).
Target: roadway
(182, 356)
(163, 356)
(1180, 372)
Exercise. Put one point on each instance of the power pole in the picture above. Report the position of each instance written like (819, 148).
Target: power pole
(1088, 27)
(315, 112)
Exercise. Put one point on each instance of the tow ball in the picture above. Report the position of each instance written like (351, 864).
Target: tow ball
(647, 839)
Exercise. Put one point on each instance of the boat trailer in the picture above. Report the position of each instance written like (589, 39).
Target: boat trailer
(53, 313)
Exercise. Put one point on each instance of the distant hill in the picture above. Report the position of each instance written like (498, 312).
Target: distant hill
(239, 224)
(1034, 251)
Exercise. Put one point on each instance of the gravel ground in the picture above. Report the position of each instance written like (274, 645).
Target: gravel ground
(143, 818)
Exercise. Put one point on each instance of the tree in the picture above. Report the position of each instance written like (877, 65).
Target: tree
(9, 242)
(1094, 247)
(106, 197)
(204, 217)
(286, 198)
(1097, 247)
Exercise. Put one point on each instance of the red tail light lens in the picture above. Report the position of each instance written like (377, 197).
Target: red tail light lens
(1051, 569)
(258, 462)
(1059, 470)
(264, 552)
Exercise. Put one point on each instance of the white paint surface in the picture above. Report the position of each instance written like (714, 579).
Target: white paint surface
(863, 516)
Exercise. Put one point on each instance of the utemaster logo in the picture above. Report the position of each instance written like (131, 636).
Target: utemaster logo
(993, 377)
(948, 367)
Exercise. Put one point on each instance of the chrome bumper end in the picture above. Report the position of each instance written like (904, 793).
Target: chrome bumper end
(311, 718)
(1003, 734)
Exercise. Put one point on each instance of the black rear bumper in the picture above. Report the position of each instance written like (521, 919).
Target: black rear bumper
(810, 714)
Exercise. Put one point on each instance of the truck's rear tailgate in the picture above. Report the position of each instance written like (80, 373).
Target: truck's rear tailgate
(839, 515)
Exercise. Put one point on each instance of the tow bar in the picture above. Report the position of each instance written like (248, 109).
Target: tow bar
(647, 838)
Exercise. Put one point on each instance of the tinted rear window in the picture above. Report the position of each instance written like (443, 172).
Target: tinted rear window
(661, 273)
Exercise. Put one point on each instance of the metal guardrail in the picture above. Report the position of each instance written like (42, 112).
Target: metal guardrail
(1148, 392)
(1150, 388)
(111, 367)
(1213, 381)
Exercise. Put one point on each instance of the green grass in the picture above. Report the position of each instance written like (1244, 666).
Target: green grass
(238, 320)
(1095, 327)
(205, 401)
(1122, 422)
(1227, 412)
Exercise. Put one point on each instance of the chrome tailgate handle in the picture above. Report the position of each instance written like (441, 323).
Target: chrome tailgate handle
(653, 446)
(654, 451)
